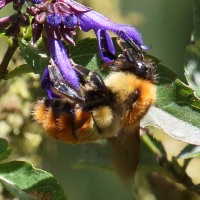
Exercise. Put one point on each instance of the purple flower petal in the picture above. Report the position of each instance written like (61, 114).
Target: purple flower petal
(45, 79)
(94, 20)
(145, 47)
(46, 84)
(57, 51)
(104, 37)
(36, 1)
(54, 19)
(70, 21)
(130, 31)
(49, 93)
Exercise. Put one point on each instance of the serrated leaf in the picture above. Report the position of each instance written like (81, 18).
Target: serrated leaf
(25, 181)
(190, 151)
(4, 151)
(178, 99)
(86, 53)
(192, 65)
(22, 69)
(172, 126)
(34, 56)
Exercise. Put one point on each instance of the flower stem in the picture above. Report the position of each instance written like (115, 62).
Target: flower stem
(13, 45)
(180, 176)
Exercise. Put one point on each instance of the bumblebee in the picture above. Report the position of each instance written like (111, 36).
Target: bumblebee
(101, 108)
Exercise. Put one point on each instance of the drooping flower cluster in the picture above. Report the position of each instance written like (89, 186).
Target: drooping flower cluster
(58, 19)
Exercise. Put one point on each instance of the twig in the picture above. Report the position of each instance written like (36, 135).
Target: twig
(180, 176)
(7, 57)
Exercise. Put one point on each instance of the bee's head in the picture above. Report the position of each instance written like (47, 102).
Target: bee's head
(134, 63)
(144, 69)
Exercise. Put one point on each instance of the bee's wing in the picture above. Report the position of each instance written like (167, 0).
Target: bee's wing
(126, 155)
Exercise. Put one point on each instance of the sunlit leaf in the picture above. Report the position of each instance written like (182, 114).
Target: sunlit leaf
(86, 53)
(172, 126)
(34, 56)
(26, 182)
(22, 69)
(190, 151)
(178, 99)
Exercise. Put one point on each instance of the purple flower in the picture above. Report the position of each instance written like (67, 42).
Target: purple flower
(100, 24)
(57, 20)
(60, 57)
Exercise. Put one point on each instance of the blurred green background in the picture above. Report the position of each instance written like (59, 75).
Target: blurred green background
(167, 26)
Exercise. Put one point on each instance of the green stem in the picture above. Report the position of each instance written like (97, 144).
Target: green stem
(7, 57)
(151, 145)
(180, 176)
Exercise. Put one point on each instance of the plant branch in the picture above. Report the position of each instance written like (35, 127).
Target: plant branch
(180, 176)
(7, 57)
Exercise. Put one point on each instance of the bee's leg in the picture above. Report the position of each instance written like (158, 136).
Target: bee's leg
(93, 77)
(126, 56)
(60, 87)
(81, 71)
(131, 43)
(96, 80)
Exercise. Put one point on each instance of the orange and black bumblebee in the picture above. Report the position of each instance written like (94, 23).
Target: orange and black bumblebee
(101, 108)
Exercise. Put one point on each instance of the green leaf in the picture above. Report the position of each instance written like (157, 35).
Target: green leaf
(178, 99)
(192, 65)
(172, 126)
(34, 56)
(4, 151)
(190, 151)
(181, 108)
(86, 53)
(22, 69)
(25, 181)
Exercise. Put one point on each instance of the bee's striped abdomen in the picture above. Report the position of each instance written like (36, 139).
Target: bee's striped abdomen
(72, 124)
(56, 118)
